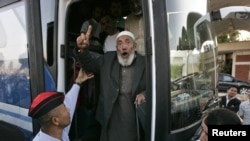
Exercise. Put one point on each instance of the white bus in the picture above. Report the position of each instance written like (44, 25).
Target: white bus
(37, 38)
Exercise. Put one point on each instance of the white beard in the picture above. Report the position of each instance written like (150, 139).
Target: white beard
(126, 62)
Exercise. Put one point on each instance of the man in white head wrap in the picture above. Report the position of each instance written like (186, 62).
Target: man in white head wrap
(122, 84)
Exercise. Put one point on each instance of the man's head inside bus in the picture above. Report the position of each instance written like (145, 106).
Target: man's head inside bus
(135, 7)
(108, 25)
(49, 109)
(125, 44)
(115, 9)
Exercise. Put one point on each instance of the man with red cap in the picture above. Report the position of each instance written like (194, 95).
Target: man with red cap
(54, 111)
(122, 84)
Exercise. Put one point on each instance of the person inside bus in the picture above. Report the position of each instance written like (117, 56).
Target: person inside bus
(54, 111)
(230, 101)
(88, 127)
(122, 85)
(97, 13)
(85, 126)
(134, 23)
(109, 27)
(220, 116)
(115, 11)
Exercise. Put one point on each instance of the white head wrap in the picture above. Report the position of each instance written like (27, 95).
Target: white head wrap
(125, 33)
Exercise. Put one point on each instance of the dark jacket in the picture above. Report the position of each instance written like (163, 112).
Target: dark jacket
(233, 104)
(109, 68)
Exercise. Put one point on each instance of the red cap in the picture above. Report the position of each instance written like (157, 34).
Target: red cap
(44, 102)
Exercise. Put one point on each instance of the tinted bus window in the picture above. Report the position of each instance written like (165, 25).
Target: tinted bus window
(192, 57)
(14, 72)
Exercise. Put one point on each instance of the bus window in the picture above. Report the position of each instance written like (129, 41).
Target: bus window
(192, 60)
(14, 68)
(14, 72)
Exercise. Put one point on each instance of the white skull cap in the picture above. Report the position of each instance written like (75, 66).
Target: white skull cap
(130, 34)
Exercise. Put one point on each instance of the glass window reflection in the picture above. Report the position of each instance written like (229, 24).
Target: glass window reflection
(192, 50)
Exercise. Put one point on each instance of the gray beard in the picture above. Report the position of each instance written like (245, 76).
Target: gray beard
(126, 62)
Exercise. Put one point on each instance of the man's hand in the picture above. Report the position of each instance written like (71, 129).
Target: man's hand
(83, 76)
(83, 40)
(140, 98)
